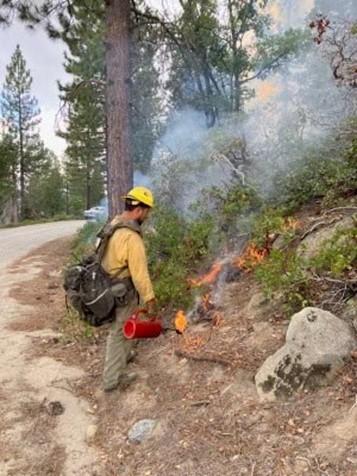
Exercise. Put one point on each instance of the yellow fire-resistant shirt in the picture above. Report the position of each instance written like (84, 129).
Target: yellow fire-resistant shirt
(126, 251)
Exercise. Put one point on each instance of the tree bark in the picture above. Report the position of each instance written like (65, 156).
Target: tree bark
(119, 162)
(22, 160)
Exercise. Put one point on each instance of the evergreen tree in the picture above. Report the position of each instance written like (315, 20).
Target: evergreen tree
(222, 48)
(21, 113)
(46, 195)
(85, 133)
(58, 19)
(85, 95)
(8, 196)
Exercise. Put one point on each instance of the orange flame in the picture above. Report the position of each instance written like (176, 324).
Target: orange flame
(291, 224)
(206, 302)
(181, 322)
(208, 278)
(218, 319)
(251, 257)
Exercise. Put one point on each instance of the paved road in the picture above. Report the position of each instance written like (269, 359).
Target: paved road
(17, 242)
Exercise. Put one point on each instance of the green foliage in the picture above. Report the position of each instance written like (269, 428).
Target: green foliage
(85, 93)
(25, 163)
(85, 132)
(229, 204)
(175, 250)
(274, 50)
(339, 254)
(84, 243)
(20, 111)
(270, 222)
(74, 329)
(284, 272)
(45, 197)
(8, 153)
(211, 43)
(316, 177)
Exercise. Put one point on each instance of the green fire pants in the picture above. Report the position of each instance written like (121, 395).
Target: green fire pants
(118, 347)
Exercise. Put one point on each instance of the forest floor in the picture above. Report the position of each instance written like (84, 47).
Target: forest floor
(198, 388)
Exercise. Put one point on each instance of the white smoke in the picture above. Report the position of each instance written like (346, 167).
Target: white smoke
(304, 109)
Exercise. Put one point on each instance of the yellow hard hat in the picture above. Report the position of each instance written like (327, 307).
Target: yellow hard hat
(142, 195)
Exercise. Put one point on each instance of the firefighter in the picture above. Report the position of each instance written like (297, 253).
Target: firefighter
(125, 259)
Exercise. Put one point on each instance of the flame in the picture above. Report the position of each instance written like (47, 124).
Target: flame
(251, 257)
(206, 302)
(291, 224)
(208, 278)
(266, 90)
(218, 319)
(181, 322)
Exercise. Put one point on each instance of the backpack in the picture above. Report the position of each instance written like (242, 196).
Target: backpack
(89, 288)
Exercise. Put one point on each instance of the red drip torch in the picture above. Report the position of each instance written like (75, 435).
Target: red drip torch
(136, 328)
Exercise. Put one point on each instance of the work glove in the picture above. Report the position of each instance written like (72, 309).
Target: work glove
(152, 309)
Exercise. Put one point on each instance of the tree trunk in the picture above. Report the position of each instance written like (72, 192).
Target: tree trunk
(119, 163)
(14, 215)
(22, 163)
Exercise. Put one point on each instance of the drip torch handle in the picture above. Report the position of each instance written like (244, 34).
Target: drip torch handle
(138, 312)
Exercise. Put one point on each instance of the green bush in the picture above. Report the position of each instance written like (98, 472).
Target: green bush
(318, 175)
(339, 254)
(84, 242)
(271, 221)
(176, 249)
(285, 273)
(227, 205)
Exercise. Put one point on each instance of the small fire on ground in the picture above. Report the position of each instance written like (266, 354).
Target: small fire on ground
(206, 310)
(251, 257)
(181, 322)
(208, 278)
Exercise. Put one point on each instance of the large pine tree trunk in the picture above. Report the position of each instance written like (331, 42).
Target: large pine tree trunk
(119, 163)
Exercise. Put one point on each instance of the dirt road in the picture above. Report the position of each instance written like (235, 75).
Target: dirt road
(30, 386)
(16, 242)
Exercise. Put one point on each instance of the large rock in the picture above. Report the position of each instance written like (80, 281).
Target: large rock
(313, 243)
(317, 345)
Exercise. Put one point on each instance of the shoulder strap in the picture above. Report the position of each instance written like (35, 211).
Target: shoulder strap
(107, 231)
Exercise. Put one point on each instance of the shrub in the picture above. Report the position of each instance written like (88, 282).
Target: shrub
(339, 254)
(326, 173)
(176, 247)
(285, 273)
(84, 241)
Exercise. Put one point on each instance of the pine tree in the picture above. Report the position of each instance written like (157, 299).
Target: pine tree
(57, 15)
(46, 191)
(85, 132)
(21, 113)
(8, 198)
(85, 95)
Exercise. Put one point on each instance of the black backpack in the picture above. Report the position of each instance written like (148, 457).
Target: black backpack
(90, 289)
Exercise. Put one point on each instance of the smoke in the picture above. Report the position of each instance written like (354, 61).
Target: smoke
(297, 108)
(141, 180)
(189, 159)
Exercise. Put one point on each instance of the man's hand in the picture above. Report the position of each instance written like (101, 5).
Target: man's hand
(152, 308)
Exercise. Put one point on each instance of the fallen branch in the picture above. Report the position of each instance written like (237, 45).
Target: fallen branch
(338, 209)
(317, 225)
(203, 358)
(345, 282)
